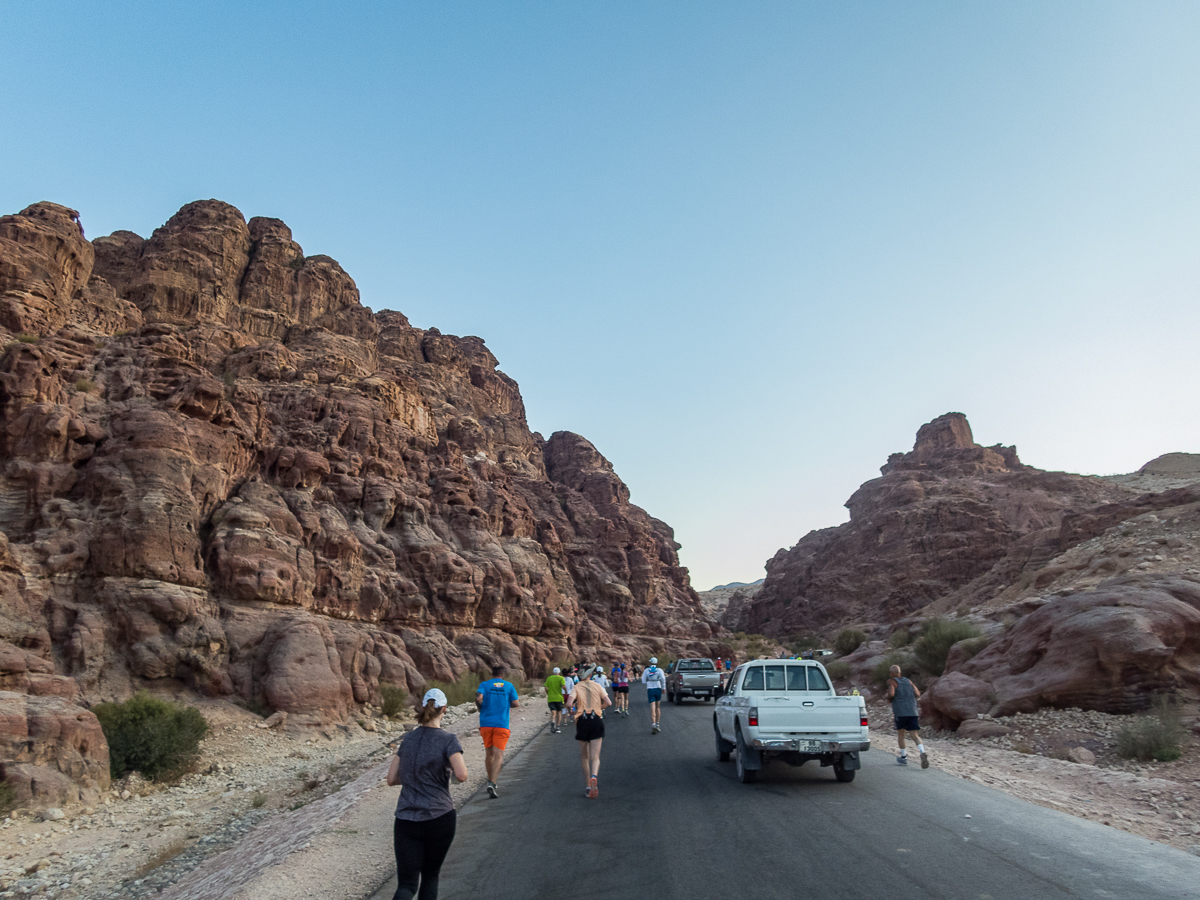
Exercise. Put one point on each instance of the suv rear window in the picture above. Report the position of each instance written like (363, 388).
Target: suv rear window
(696, 665)
(753, 680)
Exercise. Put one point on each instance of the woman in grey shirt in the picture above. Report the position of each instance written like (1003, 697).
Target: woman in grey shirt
(425, 817)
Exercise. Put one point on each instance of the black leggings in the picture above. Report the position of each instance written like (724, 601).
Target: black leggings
(421, 848)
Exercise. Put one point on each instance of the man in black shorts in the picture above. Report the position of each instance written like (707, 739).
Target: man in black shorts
(904, 694)
(589, 700)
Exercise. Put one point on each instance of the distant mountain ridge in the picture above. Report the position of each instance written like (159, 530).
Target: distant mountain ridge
(735, 584)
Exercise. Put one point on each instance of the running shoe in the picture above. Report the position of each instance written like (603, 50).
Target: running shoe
(491, 789)
(902, 760)
(924, 760)
(593, 788)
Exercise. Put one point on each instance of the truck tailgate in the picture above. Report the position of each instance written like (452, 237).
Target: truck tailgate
(797, 714)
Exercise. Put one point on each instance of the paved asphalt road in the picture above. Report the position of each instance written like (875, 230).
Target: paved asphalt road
(673, 822)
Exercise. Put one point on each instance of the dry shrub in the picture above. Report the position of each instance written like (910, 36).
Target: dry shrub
(838, 670)
(1158, 735)
(392, 699)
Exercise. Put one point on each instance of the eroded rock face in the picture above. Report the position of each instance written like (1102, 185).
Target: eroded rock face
(1111, 649)
(941, 516)
(54, 751)
(221, 470)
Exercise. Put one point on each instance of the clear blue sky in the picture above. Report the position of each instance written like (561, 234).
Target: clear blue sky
(745, 248)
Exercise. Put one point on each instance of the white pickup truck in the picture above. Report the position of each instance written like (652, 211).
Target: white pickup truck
(788, 709)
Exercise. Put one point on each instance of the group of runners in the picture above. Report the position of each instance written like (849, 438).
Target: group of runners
(425, 819)
(581, 692)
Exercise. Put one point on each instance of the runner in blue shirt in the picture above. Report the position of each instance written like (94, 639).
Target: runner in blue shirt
(495, 697)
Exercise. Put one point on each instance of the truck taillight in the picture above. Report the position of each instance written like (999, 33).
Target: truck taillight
(863, 721)
(753, 716)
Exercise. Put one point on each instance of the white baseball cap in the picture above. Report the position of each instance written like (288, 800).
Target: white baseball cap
(556, 670)
(654, 660)
(438, 698)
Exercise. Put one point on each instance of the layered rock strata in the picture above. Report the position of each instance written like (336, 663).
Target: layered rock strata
(222, 473)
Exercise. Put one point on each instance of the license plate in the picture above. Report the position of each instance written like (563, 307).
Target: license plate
(808, 746)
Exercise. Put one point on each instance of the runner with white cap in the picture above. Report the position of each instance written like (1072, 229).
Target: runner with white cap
(425, 819)
(655, 682)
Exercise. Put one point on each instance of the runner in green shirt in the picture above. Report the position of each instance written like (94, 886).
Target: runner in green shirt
(556, 691)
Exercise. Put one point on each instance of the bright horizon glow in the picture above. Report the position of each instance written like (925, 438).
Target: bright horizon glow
(745, 250)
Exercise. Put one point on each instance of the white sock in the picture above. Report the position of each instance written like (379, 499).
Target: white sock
(920, 748)
(903, 751)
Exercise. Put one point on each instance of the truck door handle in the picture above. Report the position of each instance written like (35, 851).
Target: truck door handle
(807, 703)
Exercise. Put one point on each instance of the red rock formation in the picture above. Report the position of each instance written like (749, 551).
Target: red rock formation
(221, 470)
(941, 516)
(1109, 649)
(53, 751)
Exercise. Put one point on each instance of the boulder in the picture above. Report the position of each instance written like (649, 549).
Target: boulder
(1081, 755)
(1110, 649)
(954, 697)
(54, 752)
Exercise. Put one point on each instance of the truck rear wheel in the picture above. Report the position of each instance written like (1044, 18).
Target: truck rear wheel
(842, 773)
(745, 776)
(724, 748)
(678, 699)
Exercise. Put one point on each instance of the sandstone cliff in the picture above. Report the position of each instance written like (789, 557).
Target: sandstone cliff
(221, 472)
(940, 516)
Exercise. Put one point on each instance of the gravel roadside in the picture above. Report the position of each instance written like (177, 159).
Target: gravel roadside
(340, 847)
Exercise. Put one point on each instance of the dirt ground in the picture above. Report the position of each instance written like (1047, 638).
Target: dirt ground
(1159, 801)
(301, 814)
(250, 785)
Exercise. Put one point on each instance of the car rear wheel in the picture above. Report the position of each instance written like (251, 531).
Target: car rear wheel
(842, 773)
(678, 698)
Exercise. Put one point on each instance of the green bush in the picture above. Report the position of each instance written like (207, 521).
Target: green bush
(392, 699)
(149, 735)
(900, 638)
(838, 670)
(461, 690)
(880, 674)
(938, 636)
(848, 640)
(1158, 736)
(8, 798)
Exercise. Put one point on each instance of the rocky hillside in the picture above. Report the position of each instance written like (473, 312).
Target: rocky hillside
(222, 473)
(940, 516)
(1085, 591)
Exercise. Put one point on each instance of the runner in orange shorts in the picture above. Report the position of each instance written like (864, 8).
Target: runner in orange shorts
(495, 698)
(495, 737)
